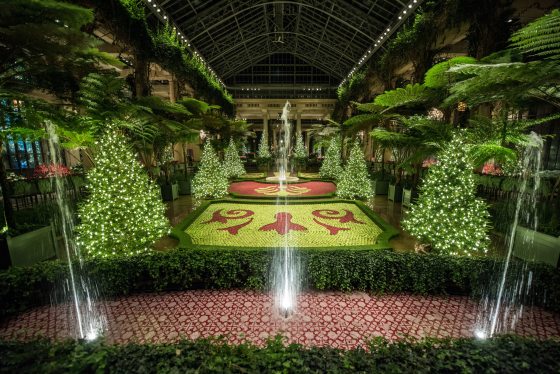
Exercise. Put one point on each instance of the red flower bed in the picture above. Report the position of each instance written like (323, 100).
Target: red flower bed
(250, 188)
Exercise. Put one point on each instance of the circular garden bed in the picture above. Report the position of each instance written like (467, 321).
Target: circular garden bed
(295, 190)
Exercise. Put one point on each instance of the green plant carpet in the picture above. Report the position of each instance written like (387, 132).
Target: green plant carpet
(334, 223)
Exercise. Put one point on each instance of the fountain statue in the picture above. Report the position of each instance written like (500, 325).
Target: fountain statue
(282, 176)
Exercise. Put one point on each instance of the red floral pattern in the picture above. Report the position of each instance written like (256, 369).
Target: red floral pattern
(340, 320)
(249, 188)
(283, 224)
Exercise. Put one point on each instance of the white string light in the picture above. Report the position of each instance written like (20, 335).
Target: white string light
(378, 44)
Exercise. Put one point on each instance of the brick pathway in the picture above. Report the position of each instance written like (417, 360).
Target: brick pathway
(333, 319)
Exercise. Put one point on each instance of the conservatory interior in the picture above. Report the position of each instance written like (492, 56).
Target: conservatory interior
(279, 186)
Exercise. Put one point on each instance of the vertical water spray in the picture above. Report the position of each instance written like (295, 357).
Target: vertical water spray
(503, 305)
(285, 265)
(81, 291)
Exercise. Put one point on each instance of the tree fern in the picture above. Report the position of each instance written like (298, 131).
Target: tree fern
(540, 38)
(411, 95)
(438, 76)
(363, 120)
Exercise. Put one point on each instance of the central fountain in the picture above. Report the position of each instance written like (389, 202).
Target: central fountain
(285, 264)
(282, 176)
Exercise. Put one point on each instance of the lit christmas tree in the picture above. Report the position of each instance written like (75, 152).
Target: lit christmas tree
(354, 183)
(210, 181)
(448, 215)
(263, 152)
(331, 167)
(300, 153)
(123, 213)
(233, 166)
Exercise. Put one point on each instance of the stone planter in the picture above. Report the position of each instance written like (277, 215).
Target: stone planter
(185, 186)
(32, 247)
(380, 187)
(395, 193)
(409, 196)
(532, 245)
(169, 192)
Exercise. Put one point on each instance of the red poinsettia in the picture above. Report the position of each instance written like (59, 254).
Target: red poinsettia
(50, 170)
(492, 169)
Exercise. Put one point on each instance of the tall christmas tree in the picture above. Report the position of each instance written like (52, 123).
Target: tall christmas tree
(263, 152)
(233, 166)
(300, 153)
(331, 167)
(123, 213)
(447, 214)
(354, 182)
(210, 181)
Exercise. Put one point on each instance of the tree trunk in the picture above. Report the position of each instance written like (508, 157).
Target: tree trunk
(141, 76)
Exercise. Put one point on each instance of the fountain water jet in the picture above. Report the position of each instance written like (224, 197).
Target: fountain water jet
(285, 264)
(80, 290)
(505, 305)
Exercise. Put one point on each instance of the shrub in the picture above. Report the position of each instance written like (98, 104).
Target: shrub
(505, 354)
(377, 271)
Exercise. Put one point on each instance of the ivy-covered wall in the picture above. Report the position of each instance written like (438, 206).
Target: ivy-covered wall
(152, 41)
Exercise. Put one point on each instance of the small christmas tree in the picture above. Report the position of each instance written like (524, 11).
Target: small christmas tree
(300, 153)
(233, 166)
(210, 181)
(331, 167)
(263, 153)
(448, 215)
(354, 182)
(123, 213)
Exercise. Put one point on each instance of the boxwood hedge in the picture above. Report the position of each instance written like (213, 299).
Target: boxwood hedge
(506, 354)
(376, 271)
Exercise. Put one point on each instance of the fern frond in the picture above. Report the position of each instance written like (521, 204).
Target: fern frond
(439, 76)
(541, 37)
(481, 153)
(363, 120)
(411, 95)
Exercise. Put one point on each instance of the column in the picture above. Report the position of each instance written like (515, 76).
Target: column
(265, 122)
(307, 141)
(298, 123)
(172, 90)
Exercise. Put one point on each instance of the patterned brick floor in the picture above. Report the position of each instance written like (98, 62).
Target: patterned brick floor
(334, 319)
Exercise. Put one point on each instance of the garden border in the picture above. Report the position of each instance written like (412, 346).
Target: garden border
(382, 241)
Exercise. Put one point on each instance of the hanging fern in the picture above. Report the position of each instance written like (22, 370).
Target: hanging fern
(541, 37)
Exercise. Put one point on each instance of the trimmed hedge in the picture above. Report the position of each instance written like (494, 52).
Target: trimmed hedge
(377, 271)
(506, 354)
